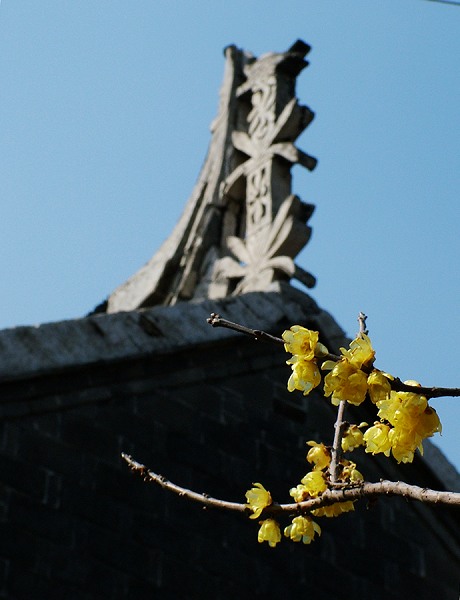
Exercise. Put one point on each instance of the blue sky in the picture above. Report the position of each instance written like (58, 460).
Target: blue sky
(105, 110)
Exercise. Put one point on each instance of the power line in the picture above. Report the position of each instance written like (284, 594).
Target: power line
(452, 2)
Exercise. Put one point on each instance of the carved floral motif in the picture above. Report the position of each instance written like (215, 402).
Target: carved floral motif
(272, 237)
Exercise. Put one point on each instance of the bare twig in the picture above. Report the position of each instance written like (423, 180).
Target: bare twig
(365, 490)
(216, 320)
(203, 499)
(430, 392)
(336, 451)
(362, 324)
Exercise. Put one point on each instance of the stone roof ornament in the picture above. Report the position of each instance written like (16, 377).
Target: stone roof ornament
(242, 227)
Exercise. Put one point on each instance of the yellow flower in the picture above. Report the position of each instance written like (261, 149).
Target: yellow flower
(314, 483)
(319, 455)
(429, 422)
(412, 419)
(302, 529)
(377, 440)
(305, 375)
(402, 408)
(352, 437)
(299, 493)
(269, 532)
(350, 472)
(360, 352)
(403, 444)
(300, 341)
(258, 498)
(345, 382)
(311, 486)
(378, 385)
(334, 510)
(410, 429)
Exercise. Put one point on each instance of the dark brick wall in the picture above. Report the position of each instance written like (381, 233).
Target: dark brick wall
(75, 523)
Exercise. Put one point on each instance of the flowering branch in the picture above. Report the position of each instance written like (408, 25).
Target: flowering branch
(340, 424)
(328, 497)
(334, 483)
(397, 385)
(216, 320)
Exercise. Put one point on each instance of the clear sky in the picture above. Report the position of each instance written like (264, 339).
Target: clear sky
(104, 114)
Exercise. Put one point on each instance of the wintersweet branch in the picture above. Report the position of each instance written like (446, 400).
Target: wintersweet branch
(362, 318)
(204, 499)
(397, 385)
(336, 452)
(339, 426)
(430, 392)
(216, 320)
(365, 490)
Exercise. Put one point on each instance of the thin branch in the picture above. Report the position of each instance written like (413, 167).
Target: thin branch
(339, 425)
(365, 490)
(362, 318)
(336, 451)
(430, 392)
(203, 499)
(216, 320)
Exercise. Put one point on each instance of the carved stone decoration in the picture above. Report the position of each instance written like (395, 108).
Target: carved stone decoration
(275, 119)
(256, 265)
(242, 227)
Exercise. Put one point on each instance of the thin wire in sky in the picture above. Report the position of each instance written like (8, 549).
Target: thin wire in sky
(452, 2)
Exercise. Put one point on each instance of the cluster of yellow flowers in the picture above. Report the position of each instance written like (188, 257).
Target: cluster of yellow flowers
(305, 371)
(347, 379)
(405, 420)
(315, 482)
(302, 528)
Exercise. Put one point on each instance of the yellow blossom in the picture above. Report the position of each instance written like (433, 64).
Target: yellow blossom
(350, 472)
(299, 493)
(377, 440)
(403, 444)
(402, 408)
(302, 529)
(305, 375)
(409, 432)
(314, 483)
(429, 422)
(360, 352)
(258, 498)
(311, 486)
(334, 510)
(345, 382)
(319, 455)
(269, 532)
(300, 341)
(412, 421)
(379, 386)
(352, 437)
